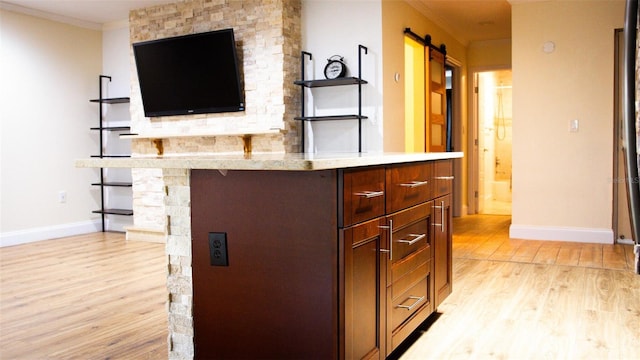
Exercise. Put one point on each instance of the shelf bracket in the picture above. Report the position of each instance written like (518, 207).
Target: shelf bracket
(303, 124)
(366, 51)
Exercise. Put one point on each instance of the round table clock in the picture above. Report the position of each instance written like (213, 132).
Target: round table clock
(335, 68)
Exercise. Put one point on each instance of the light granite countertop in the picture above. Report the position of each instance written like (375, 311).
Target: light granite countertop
(265, 161)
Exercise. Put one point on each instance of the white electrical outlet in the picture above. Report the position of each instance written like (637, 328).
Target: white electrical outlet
(574, 125)
(62, 196)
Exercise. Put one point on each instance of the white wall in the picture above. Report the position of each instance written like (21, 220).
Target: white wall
(48, 73)
(562, 188)
(338, 27)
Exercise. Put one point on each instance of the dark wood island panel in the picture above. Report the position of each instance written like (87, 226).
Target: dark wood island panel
(324, 264)
(278, 298)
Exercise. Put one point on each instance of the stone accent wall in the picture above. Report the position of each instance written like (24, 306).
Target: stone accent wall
(268, 36)
(179, 279)
(268, 40)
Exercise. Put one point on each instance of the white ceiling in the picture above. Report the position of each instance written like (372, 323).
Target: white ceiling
(469, 20)
(466, 20)
(89, 13)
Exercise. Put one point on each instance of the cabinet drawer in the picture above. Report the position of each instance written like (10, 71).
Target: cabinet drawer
(405, 282)
(407, 303)
(405, 266)
(363, 195)
(407, 185)
(410, 230)
(442, 177)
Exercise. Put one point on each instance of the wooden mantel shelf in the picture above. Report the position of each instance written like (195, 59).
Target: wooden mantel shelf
(160, 135)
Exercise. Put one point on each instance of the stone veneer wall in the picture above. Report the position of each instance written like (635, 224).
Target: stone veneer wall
(268, 38)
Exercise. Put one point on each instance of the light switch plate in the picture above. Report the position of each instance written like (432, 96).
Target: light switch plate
(574, 125)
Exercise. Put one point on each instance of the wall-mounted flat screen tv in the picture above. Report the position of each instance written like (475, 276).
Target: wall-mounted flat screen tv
(191, 74)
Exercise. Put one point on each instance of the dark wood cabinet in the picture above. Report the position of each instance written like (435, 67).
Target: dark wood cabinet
(442, 230)
(330, 264)
(442, 248)
(364, 291)
(409, 285)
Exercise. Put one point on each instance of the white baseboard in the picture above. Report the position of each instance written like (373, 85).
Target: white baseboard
(573, 234)
(48, 232)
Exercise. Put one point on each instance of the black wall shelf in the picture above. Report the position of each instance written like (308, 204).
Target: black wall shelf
(345, 81)
(118, 100)
(330, 82)
(101, 128)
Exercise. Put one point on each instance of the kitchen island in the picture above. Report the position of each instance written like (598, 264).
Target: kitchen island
(301, 256)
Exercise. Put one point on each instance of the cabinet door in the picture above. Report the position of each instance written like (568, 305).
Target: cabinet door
(364, 289)
(442, 248)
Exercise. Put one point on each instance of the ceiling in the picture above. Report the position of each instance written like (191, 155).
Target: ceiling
(87, 13)
(469, 20)
(466, 20)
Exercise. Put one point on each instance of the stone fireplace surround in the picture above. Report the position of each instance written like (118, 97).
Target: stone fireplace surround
(268, 37)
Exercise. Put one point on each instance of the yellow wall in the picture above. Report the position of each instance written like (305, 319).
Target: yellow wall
(489, 54)
(396, 16)
(414, 99)
(560, 179)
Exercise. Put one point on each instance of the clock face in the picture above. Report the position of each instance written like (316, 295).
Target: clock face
(334, 69)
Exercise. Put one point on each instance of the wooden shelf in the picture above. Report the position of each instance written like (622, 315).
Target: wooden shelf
(110, 156)
(118, 100)
(330, 117)
(125, 212)
(198, 134)
(330, 82)
(112, 128)
(114, 184)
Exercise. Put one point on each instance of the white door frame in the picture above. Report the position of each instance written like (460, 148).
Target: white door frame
(457, 130)
(473, 182)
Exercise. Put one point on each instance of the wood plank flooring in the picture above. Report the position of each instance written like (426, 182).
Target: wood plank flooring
(523, 299)
(100, 297)
(86, 297)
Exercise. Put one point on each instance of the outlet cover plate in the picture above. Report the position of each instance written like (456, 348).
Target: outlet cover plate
(218, 249)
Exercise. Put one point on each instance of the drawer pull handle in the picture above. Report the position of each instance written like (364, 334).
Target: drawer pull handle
(442, 208)
(417, 237)
(444, 177)
(390, 228)
(369, 194)
(417, 299)
(415, 184)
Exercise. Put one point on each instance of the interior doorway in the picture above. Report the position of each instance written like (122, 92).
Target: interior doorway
(621, 218)
(493, 116)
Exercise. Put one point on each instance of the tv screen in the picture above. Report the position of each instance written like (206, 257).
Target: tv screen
(191, 74)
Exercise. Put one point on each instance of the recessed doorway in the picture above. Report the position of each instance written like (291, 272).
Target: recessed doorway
(494, 121)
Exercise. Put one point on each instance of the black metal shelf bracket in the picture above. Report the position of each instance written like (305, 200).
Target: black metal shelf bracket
(366, 51)
(303, 124)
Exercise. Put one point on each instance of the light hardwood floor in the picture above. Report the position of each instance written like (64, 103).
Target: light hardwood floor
(98, 296)
(523, 299)
(86, 297)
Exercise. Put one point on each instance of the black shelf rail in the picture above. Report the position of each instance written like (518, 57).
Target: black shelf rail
(102, 184)
(331, 82)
